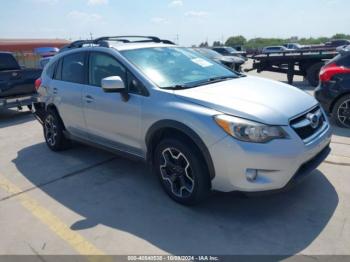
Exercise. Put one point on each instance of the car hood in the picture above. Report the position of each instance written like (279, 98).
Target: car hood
(232, 59)
(253, 98)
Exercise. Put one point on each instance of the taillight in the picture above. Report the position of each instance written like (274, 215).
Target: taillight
(328, 71)
(37, 83)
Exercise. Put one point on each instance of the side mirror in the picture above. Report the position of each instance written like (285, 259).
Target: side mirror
(113, 84)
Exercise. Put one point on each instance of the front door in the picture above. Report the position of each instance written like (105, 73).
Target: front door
(110, 120)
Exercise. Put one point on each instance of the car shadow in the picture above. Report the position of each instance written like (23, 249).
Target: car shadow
(340, 131)
(9, 117)
(123, 195)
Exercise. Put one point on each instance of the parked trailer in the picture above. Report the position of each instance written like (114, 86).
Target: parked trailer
(305, 63)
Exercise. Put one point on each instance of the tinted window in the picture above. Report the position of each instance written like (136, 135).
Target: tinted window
(102, 66)
(73, 68)
(134, 85)
(8, 62)
(345, 61)
(58, 70)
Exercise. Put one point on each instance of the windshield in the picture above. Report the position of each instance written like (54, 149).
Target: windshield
(170, 67)
(208, 53)
(231, 50)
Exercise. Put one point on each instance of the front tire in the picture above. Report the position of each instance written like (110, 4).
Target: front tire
(341, 112)
(182, 171)
(53, 132)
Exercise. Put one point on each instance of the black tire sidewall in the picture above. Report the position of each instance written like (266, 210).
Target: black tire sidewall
(335, 110)
(201, 176)
(61, 141)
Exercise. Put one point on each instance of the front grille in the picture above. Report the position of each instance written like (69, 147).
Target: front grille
(309, 123)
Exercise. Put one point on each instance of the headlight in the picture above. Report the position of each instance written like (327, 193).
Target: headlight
(249, 131)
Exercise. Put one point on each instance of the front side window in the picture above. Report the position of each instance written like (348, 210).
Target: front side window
(8, 62)
(102, 66)
(73, 68)
(169, 67)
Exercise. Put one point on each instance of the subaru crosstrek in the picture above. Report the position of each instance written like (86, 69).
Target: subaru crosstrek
(201, 126)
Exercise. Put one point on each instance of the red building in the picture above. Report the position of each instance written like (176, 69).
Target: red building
(23, 49)
(28, 45)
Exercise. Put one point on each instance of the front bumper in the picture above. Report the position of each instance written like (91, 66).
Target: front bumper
(279, 163)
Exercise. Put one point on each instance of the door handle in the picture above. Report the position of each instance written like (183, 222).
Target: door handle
(54, 90)
(89, 99)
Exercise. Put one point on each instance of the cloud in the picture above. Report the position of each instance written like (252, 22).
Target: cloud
(84, 18)
(97, 2)
(197, 14)
(176, 3)
(51, 2)
(159, 20)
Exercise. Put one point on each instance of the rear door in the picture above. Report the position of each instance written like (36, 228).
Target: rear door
(66, 87)
(110, 120)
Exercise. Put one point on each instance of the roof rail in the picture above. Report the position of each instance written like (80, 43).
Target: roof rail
(77, 44)
(127, 39)
(103, 41)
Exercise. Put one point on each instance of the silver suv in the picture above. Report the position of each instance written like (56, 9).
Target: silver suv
(199, 125)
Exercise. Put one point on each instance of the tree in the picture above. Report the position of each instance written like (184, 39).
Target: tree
(205, 44)
(217, 43)
(341, 36)
(236, 41)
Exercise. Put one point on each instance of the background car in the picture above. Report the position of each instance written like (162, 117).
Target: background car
(343, 48)
(233, 62)
(229, 51)
(293, 46)
(275, 49)
(337, 43)
(334, 89)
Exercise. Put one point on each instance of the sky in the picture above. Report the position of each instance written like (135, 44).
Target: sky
(185, 21)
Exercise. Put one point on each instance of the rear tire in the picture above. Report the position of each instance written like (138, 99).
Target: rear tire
(182, 171)
(53, 132)
(312, 74)
(341, 112)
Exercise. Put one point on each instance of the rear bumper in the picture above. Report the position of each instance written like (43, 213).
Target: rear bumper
(39, 111)
(16, 101)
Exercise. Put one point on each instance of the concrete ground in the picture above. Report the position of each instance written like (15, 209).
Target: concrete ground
(87, 201)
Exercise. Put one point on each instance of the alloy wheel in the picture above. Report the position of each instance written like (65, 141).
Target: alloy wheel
(344, 113)
(177, 172)
(50, 130)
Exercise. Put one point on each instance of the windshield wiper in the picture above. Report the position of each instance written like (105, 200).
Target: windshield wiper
(204, 82)
(215, 80)
(178, 87)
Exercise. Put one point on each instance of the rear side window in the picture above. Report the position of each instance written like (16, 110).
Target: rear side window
(8, 62)
(73, 68)
(345, 61)
(102, 66)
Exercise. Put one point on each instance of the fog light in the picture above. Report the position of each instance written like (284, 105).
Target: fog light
(251, 174)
